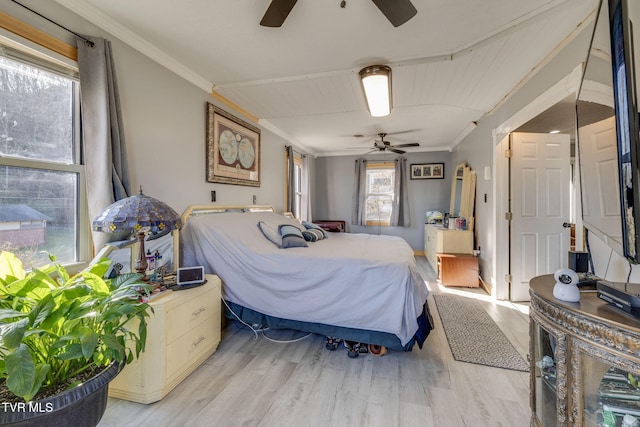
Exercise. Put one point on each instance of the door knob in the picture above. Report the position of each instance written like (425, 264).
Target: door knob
(566, 224)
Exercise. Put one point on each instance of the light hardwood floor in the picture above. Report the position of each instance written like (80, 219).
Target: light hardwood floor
(252, 381)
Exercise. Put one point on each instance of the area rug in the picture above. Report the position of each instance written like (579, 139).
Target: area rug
(474, 337)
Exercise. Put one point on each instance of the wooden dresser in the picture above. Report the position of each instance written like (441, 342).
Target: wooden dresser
(438, 239)
(183, 332)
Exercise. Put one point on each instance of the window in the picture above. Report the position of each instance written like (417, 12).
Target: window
(379, 186)
(41, 177)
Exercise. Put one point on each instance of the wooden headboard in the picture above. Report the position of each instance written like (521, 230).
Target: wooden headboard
(195, 210)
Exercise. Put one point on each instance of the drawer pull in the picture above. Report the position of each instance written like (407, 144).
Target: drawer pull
(196, 343)
(195, 313)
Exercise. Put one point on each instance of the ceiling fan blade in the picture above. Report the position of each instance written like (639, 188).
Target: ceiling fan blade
(277, 12)
(396, 151)
(397, 11)
(410, 144)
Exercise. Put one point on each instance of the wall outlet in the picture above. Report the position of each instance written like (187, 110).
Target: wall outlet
(255, 199)
(213, 196)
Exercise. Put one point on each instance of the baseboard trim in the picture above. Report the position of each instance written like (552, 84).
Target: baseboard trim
(484, 285)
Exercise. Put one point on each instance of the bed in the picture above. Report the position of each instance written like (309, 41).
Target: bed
(357, 287)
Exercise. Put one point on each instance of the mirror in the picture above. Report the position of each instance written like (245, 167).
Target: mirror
(607, 155)
(456, 190)
(463, 192)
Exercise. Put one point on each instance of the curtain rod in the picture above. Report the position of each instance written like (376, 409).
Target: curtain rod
(295, 151)
(89, 42)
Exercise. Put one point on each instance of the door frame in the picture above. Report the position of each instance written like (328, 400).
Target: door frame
(566, 86)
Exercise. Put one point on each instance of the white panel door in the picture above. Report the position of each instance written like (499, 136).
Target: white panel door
(540, 169)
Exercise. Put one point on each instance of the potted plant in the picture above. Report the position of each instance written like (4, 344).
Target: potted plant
(63, 338)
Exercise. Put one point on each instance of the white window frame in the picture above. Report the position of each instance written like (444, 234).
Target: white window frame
(15, 48)
(377, 167)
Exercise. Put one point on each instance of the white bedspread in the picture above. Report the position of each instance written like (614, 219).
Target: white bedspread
(358, 281)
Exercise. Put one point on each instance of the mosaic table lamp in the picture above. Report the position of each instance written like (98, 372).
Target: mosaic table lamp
(138, 214)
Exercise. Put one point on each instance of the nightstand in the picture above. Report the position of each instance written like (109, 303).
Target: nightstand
(183, 332)
(458, 270)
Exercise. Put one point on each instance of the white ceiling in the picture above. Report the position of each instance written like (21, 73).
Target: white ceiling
(452, 63)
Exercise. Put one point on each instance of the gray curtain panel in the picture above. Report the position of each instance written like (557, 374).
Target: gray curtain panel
(291, 195)
(305, 214)
(359, 206)
(103, 143)
(400, 211)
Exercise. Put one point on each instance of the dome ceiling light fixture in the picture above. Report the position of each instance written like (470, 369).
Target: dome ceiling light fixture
(376, 83)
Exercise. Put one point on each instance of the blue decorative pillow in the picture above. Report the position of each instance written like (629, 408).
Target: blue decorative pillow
(286, 236)
(291, 237)
(270, 233)
(313, 235)
(312, 226)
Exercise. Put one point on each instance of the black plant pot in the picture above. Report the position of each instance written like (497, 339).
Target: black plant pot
(82, 406)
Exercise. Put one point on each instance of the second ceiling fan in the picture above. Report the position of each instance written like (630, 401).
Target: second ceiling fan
(397, 11)
(381, 145)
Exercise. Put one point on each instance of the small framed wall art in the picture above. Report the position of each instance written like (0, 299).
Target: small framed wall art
(233, 149)
(427, 171)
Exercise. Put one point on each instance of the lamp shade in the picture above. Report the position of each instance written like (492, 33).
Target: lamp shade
(376, 83)
(136, 213)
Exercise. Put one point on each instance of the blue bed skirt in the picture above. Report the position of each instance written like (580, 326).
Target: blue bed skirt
(425, 325)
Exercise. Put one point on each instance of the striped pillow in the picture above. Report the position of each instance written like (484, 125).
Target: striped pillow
(313, 235)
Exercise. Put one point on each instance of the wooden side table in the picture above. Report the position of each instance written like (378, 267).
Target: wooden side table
(183, 332)
(458, 270)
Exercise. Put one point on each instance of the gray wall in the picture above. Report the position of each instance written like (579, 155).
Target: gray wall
(477, 149)
(334, 189)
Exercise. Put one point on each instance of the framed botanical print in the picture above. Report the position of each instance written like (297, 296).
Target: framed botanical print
(233, 149)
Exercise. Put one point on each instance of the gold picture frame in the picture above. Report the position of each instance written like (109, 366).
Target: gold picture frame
(233, 149)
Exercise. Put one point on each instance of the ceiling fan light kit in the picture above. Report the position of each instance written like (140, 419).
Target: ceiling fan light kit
(376, 83)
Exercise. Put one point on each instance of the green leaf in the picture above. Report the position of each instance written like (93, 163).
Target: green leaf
(21, 371)
(42, 310)
(127, 280)
(115, 346)
(72, 351)
(41, 374)
(76, 291)
(7, 313)
(12, 333)
(88, 341)
(11, 267)
(97, 283)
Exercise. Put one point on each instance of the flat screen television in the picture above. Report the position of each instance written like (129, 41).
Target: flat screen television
(608, 133)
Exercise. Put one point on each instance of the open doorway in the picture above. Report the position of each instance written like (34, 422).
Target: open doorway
(552, 111)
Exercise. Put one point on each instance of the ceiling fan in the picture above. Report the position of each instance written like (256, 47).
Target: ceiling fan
(397, 11)
(381, 145)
